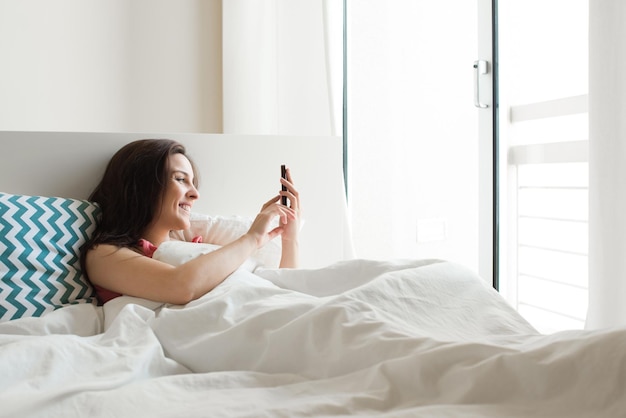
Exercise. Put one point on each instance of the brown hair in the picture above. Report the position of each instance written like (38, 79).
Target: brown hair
(131, 190)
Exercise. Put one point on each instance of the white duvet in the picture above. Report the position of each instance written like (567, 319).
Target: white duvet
(369, 338)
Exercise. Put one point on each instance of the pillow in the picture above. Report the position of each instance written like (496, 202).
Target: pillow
(40, 242)
(179, 252)
(222, 230)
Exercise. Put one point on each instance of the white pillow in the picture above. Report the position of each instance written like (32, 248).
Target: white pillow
(179, 252)
(222, 230)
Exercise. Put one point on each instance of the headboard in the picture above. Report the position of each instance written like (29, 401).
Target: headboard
(238, 173)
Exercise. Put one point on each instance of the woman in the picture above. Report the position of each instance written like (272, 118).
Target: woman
(148, 189)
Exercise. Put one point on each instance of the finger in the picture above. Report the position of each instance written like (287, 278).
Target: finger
(289, 185)
(290, 188)
(272, 209)
(286, 183)
(293, 195)
(288, 180)
(285, 214)
(275, 232)
(285, 211)
(293, 199)
(271, 202)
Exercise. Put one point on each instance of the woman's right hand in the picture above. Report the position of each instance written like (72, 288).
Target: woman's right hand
(261, 229)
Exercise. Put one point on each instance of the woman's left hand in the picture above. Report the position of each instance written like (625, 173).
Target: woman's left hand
(291, 228)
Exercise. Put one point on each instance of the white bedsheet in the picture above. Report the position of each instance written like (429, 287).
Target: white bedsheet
(394, 339)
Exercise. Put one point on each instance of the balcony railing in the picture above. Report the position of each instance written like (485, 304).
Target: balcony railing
(548, 219)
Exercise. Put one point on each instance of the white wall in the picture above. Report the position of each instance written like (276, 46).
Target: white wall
(111, 65)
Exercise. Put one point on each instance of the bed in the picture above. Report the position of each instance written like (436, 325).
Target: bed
(339, 336)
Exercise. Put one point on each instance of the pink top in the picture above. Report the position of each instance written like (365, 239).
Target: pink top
(148, 249)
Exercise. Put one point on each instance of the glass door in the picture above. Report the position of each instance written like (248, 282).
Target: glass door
(544, 160)
(420, 130)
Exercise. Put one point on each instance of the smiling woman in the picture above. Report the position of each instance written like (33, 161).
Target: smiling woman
(148, 190)
(178, 197)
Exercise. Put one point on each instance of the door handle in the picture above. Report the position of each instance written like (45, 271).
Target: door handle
(480, 68)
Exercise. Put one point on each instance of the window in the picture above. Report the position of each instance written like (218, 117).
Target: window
(544, 138)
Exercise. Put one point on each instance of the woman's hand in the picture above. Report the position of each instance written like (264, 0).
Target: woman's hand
(261, 228)
(288, 223)
(291, 229)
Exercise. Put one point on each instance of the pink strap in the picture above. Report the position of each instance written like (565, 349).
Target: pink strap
(147, 247)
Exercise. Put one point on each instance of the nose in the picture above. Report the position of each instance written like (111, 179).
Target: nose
(193, 193)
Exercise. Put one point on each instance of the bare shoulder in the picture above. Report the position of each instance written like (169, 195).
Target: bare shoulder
(109, 252)
(106, 259)
(128, 272)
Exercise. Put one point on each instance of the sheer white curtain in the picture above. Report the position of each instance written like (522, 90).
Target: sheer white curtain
(282, 66)
(283, 74)
(607, 164)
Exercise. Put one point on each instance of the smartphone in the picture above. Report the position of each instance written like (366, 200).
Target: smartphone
(283, 174)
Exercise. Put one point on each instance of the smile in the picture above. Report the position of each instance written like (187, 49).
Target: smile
(185, 207)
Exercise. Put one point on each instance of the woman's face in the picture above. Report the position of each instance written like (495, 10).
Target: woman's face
(179, 194)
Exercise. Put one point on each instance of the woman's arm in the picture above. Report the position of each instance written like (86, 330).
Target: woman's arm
(125, 271)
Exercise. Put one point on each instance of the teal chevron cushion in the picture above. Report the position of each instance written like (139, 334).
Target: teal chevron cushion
(40, 241)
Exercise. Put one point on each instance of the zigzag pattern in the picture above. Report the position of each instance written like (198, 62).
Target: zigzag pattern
(40, 241)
